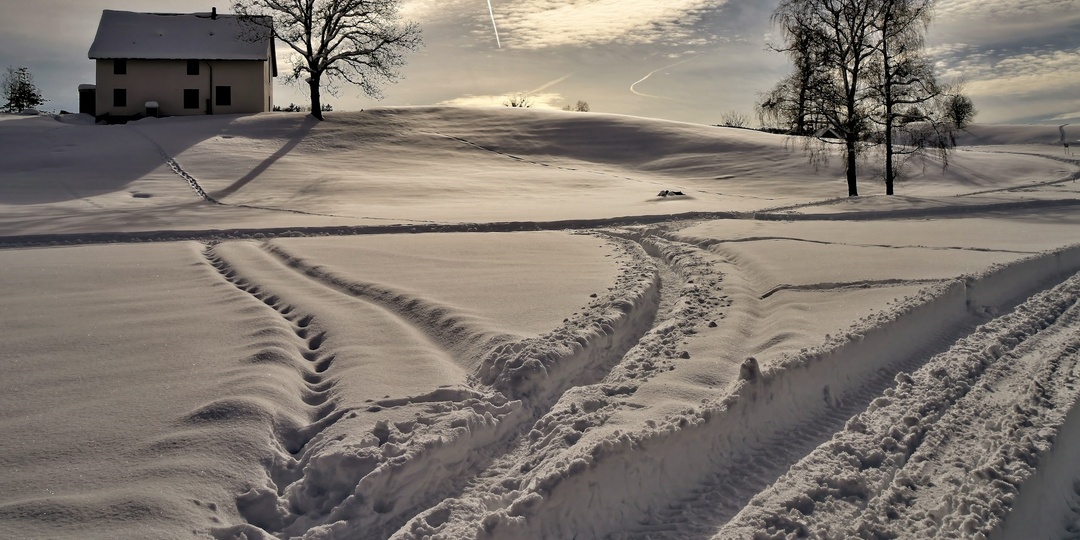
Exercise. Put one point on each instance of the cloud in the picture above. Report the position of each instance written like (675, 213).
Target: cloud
(539, 24)
(1068, 116)
(1008, 73)
(1019, 58)
(1005, 10)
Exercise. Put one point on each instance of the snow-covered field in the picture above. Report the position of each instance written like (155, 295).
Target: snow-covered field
(486, 323)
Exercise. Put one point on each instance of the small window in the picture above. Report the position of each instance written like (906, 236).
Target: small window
(224, 96)
(191, 98)
(119, 97)
(119, 66)
(192, 67)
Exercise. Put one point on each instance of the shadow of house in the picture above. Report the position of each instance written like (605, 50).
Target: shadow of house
(47, 161)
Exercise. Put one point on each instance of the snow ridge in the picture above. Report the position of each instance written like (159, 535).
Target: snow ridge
(593, 490)
(467, 339)
(328, 488)
(520, 495)
(872, 480)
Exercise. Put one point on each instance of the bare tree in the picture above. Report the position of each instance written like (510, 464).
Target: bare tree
(905, 84)
(359, 42)
(519, 100)
(787, 107)
(580, 106)
(734, 119)
(19, 90)
(839, 35)
(959, 110)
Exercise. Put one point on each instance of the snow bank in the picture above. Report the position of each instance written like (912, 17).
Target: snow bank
(945, 452)
(594, 489)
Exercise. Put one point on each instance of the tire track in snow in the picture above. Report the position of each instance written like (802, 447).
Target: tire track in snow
(317, 362)
(690, 297)
(540, 371)
(1010, 388)
(456, 333)
(416, 226)
(727, 484)
(295, 443)
(314, 480)
(807, 395)
(863, 284)
(723, 494)
(708, 242)
(505, 380)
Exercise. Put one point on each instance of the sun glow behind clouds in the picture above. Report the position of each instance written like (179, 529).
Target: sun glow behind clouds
(551, 100)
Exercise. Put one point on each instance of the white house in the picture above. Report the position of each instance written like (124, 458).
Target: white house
(185, 63)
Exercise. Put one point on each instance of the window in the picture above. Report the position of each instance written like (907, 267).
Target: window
(224, 95)
(192, 67)
(119, 97)
(119, 66)
(191, 98)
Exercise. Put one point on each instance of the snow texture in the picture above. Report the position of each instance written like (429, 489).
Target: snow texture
(450, 323)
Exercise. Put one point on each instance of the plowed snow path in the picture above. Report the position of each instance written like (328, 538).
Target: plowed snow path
(952, 450)
(684, 473)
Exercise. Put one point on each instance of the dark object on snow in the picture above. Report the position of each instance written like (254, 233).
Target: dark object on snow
(662, 193)
(669, 193)
(749, 370)
(675, 193)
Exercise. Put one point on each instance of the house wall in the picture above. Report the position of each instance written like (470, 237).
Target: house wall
(164, 81)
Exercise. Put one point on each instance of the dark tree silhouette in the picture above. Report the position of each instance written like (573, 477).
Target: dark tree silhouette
(861, 79)
(19, 91)
(358, 42)
(904, 82)
(839, 36)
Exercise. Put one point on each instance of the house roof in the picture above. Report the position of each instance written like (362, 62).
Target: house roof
(180, 36)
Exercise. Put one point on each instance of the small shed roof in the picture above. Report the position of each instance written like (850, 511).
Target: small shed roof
(180, 36)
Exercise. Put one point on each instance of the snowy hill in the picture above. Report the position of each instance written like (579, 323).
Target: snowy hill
(417, 165)
(439, 322)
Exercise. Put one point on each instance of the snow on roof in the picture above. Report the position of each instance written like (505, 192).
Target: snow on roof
(191, 36)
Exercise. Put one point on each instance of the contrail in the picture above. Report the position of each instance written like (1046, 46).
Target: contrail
(653, 72)
(552, 83)
(492, 13)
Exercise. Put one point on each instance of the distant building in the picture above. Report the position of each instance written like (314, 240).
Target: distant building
(172, 64)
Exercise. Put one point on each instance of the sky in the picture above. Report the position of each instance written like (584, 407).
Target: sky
(684, 60)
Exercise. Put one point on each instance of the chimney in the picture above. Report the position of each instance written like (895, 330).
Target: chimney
(213, 13)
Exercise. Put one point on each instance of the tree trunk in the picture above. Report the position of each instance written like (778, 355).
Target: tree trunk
(852, 161)
(316, 102)
(890, 173)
